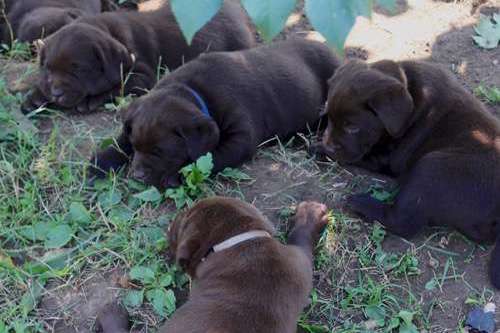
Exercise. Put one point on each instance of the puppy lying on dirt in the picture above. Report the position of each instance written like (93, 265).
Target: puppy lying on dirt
(226, 103)
(412, 120)
(29, 20)
(87, 63)
(244, 280)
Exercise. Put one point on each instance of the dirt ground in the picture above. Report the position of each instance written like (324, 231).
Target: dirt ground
(283, 175)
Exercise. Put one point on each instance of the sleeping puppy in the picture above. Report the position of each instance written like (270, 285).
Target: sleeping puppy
(89, 62)
(244, 280)
(226, 103)
(412, 120)
(34, 19)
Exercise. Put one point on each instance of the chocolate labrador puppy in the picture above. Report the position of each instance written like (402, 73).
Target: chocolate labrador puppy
(226, 103)
(118, 53)
(244, 280)
(412, 120)
(29, 20)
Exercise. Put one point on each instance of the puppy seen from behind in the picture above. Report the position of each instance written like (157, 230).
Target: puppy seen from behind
(243, 279)
(87, 63)
(225, 103)
(412, 120)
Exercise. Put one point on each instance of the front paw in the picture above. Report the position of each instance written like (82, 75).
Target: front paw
(366, 206)
(34, 100)
(105, 161)
(312, 214)
(91, 104)
(318, 151)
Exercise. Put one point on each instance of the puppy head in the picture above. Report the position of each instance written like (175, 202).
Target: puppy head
(193, 233)
(167, 132)
(366, 103)
(79, 61)
(44, 21)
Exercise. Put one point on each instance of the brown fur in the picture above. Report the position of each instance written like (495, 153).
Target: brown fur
(256, 286)
(88, 62)
(412, 120)
(252, 95)
(34, 19)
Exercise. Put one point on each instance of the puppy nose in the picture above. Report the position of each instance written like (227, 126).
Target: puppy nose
(56, 92)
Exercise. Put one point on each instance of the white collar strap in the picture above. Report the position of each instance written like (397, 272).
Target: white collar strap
(238, 239)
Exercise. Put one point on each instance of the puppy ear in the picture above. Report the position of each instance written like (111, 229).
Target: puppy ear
(394, 107)
(114, 59)
(200, 137)
(185, 252)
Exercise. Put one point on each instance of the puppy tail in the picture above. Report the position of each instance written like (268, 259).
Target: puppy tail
(495, 264)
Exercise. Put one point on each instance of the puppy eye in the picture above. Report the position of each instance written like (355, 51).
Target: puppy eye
(351, 129)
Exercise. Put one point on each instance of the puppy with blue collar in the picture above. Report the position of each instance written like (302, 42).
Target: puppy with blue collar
(226, 103)
(244, 280)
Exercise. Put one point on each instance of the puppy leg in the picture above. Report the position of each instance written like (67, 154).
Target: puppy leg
(310, 220)
(495, 265)
(113, 318)
(404, 218)
(34, 100)
(235, 149)
(112, 158)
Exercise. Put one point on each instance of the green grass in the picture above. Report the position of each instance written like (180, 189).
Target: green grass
(58, 231)
(488, 94)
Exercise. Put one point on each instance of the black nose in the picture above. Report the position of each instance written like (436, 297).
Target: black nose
(56, 92)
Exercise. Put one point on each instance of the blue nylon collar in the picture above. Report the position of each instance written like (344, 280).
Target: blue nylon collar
(203, 106)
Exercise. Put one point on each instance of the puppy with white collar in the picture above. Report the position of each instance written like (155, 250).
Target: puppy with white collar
(243, 279)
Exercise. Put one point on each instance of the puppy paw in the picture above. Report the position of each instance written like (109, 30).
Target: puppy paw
(112, 318)
(107, 160)
(318, 151)
(34, 100)
(312, 214)
(366, 206)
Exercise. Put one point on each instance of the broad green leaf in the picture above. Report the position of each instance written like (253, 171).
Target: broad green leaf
(58, 236)
(166, 280)
(79, 213)
(205, 164)
(269, 16)
(3, 327)
(387, 4)
(149, 195)
(407, 316)
(376, 313)
(431, 284)
(56, 260)
(334, 19)
(31, 297)
(488, 32)
(37, 231)
(193, 15)
(143, 274)
(109, 198)
(408, 328)
(163, 301)
(133, 298)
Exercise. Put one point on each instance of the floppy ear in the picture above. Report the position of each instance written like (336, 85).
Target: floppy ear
(394, 107)
(114, 57)
(201, 137)
(185, 252)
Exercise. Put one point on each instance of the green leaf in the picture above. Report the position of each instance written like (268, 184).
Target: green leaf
(488, 32)
(193, 15)
(205, 164)
(234, 174)
(79, 213)
(31, 297)
(149, 195)
(166, 280)
(376, 313)
(387, 4)
(334, 19)
(163, 301)
(406, 316)
(3, 327)
(133, 298)
(408, 328)
(269, 16)
(142, 274)
(37, 231)
(58, 236)
(109, 198)
(431, 284)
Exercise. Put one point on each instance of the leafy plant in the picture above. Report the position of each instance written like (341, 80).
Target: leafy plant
(332, 18)
(156, 289)
(488, 32)
(195, 176)
(490, 94)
